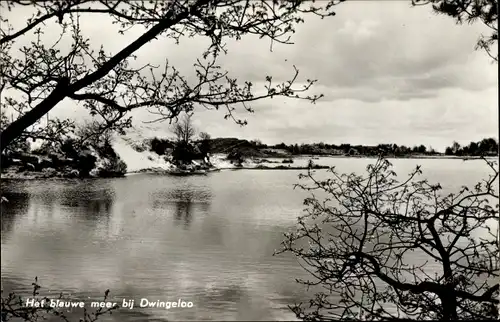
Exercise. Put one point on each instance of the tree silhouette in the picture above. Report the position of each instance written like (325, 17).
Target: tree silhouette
(39, 76)
(205, 145)
(485, 147)
(360, 242)
(469, 11)
(184, 130)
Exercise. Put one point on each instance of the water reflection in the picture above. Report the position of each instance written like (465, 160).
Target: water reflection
(186, 201)
(92, 207)
(97, 199)
(207, 239)
(183, 210)
(89, 197)
(16, 205)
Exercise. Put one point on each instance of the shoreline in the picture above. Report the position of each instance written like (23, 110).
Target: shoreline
(465, 158)
(32, 175)
(167, 172)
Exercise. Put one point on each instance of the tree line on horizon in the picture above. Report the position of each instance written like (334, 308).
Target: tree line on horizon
(484, 147)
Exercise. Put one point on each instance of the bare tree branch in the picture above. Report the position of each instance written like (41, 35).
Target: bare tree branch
(42, 76)
(360, 245)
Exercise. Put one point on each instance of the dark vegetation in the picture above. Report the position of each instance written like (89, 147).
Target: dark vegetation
(360, 240)
(485, 147)
(181, 152)
(241, 149)
(69, 157)
(184, 148)
(288, 167)
(380, 248)
(161, 146)
(469, 12)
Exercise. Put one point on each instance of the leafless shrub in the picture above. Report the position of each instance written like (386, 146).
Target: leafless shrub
(382, 249)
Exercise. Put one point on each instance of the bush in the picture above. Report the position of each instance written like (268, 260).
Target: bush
(112, 168)
(235, 155)
(184, 153)
(160, 146)
(85, 162)
(139, 147)
(68, 147)
(105, 150)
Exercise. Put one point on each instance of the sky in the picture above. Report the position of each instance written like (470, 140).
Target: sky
(389, 72)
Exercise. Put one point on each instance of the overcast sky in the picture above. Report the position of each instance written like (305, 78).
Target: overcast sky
(390, 73)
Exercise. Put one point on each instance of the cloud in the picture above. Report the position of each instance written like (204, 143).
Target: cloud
(456, 114)
(368, 45)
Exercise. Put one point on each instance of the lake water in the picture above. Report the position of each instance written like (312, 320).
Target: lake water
(206, 239)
